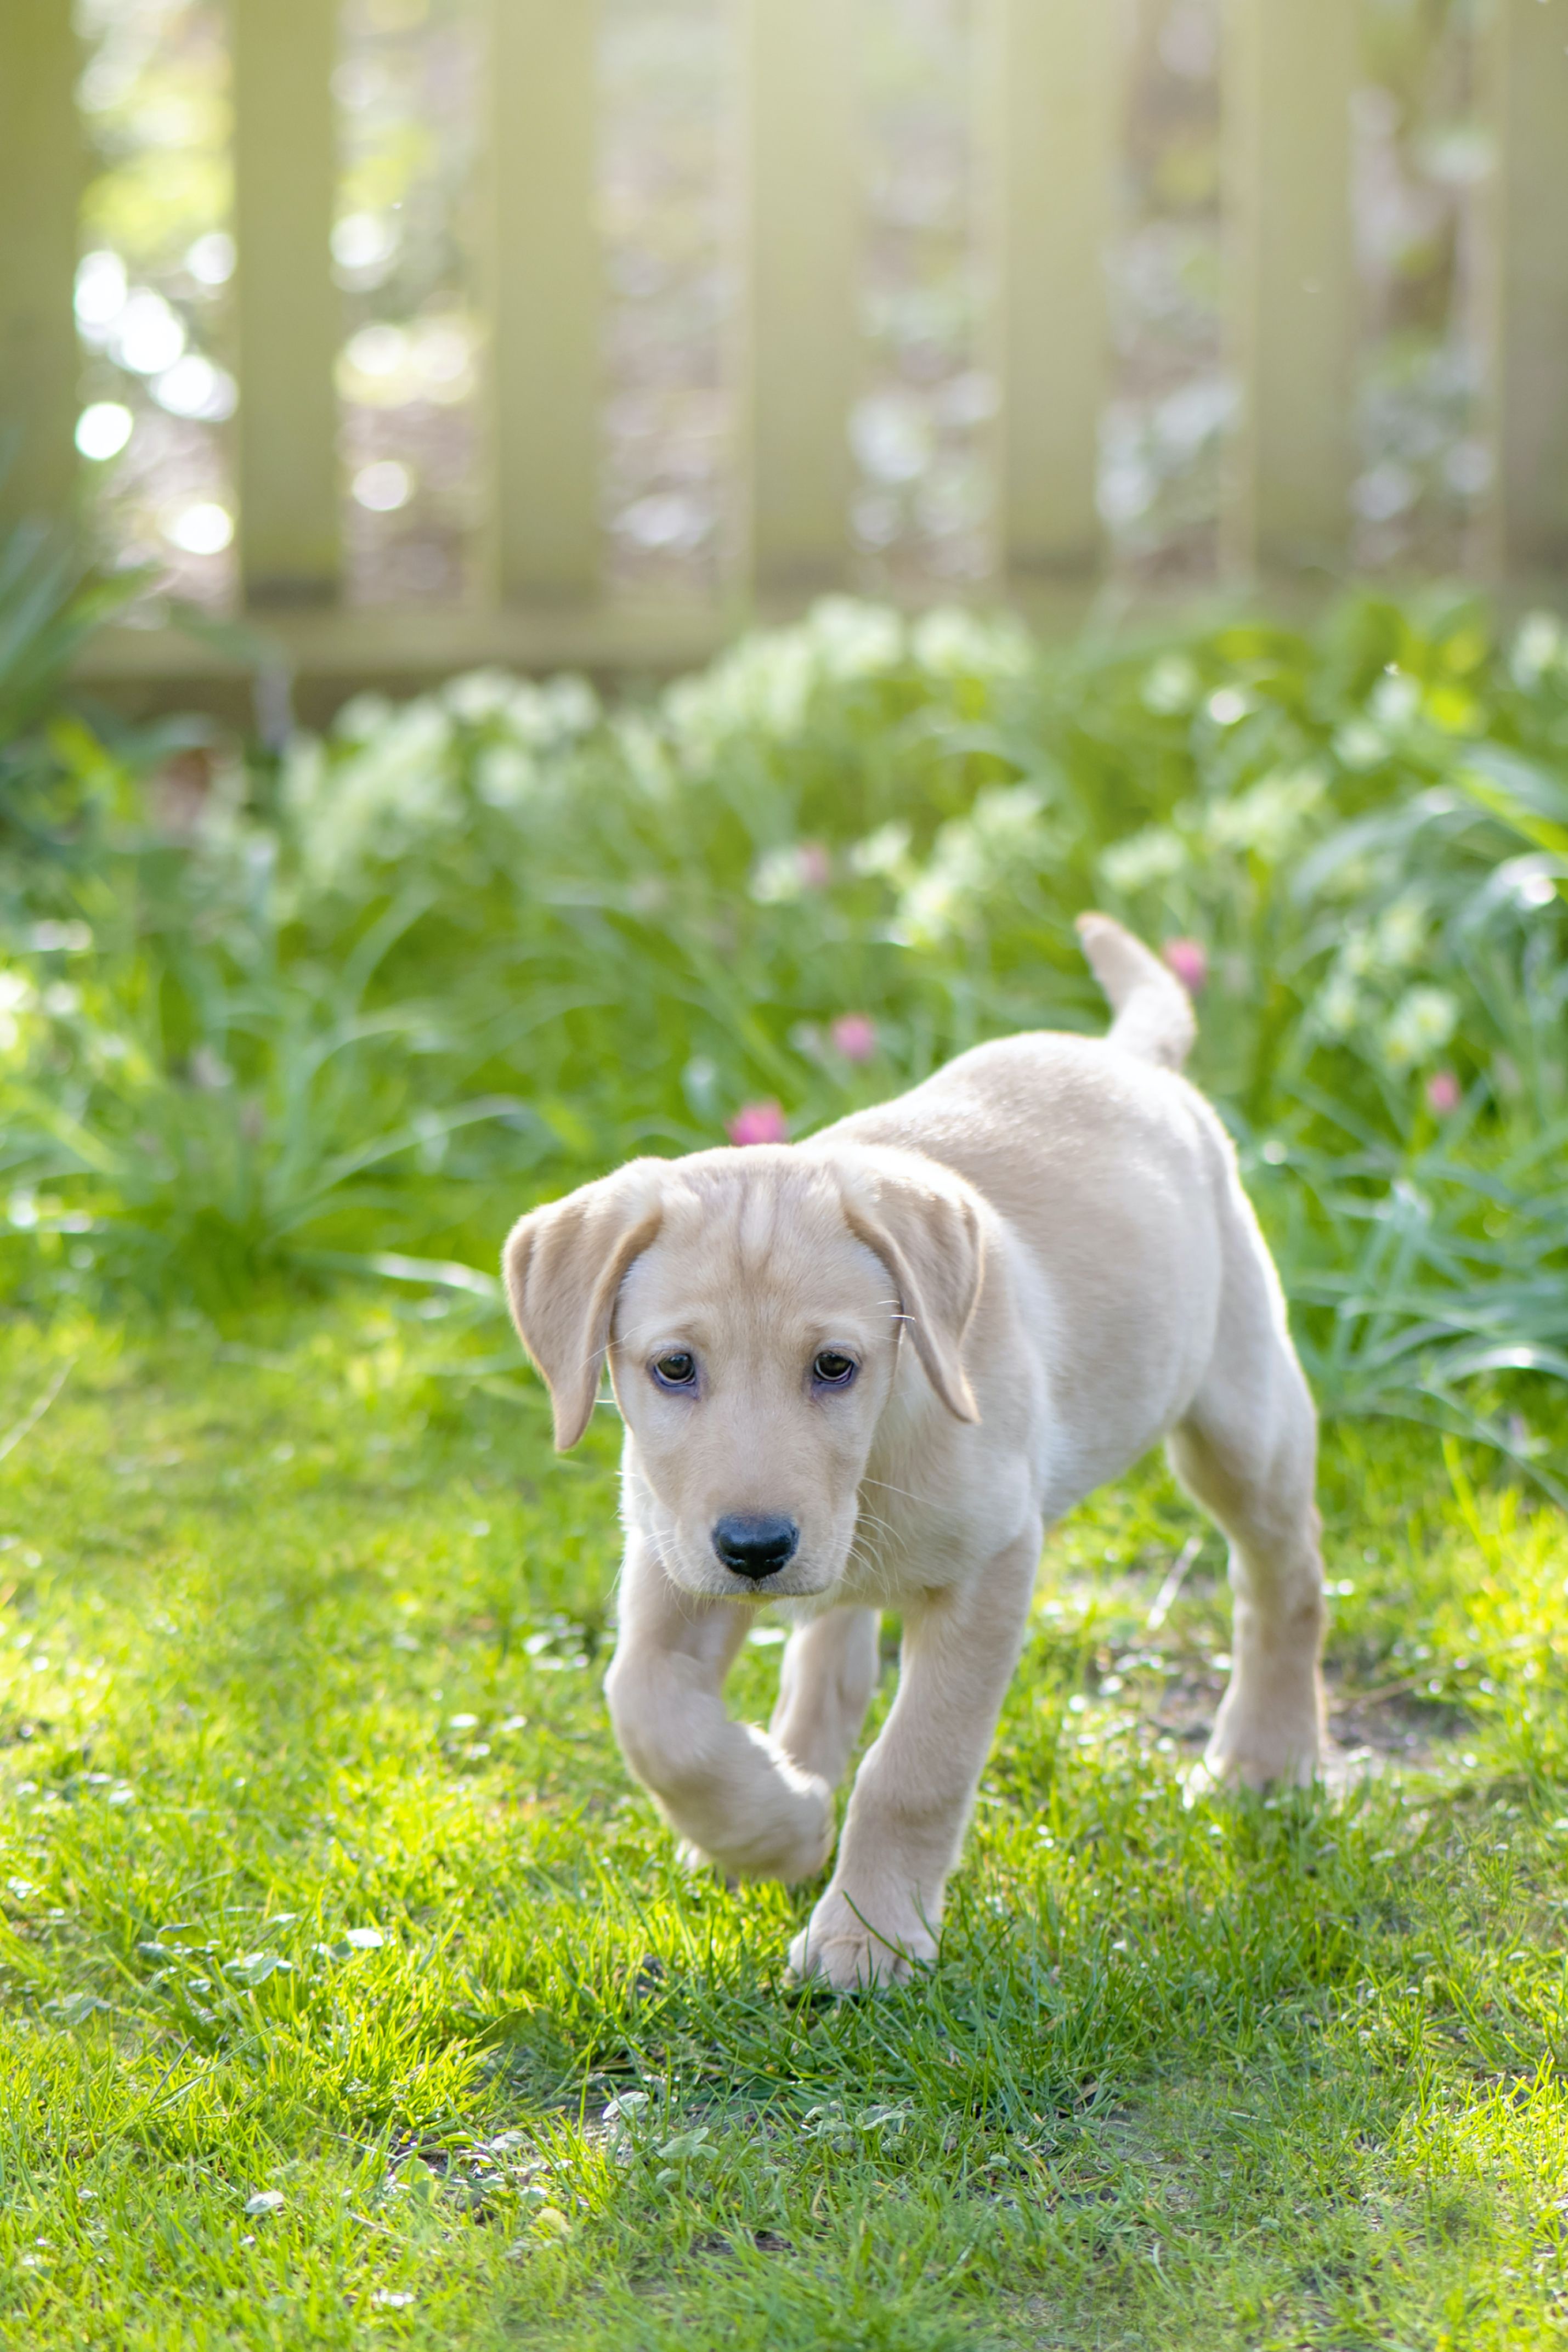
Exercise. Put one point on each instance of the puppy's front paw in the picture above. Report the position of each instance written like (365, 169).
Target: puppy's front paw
(857, 1942)
(792, 1843)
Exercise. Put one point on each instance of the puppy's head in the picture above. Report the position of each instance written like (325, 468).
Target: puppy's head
(749, 1304)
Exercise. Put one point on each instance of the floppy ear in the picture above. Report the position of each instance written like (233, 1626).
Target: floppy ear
(928, 1236)
(564, 1266)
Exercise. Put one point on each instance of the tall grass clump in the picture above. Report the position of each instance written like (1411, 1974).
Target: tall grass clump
(463, 951)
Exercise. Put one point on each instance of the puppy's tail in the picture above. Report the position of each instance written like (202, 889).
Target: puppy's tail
(1154, 1011)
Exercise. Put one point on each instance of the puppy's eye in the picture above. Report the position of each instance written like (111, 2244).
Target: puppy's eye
(678, 1369)
(831, 1369)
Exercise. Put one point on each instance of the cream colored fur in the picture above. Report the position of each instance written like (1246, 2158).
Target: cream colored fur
(1041, 1262)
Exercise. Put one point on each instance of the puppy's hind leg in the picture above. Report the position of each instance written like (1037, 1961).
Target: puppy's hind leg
(1247, 1453)
(828, 1674)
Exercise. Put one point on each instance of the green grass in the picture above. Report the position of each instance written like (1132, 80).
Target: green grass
(1273, 2073)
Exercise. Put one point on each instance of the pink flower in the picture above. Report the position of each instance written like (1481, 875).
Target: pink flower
(1189, 962)
(1443, 1093)
(761, 1122)
(854, 1034)
(814, 864)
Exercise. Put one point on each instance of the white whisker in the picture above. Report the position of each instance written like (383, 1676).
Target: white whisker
(888, 1488)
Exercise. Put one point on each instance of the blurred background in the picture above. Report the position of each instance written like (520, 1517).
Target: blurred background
(583, 578)
(668, 311)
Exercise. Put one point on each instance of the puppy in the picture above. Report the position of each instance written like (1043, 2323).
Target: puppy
(870, 1370)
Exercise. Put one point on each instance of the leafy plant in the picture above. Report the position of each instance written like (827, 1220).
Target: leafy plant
(196, 1119)
(488, 941)
(63, 763)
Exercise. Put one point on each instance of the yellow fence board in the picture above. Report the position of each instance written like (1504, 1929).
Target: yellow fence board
(1047, 100)
(546, 279)
(289, 311)
(803, 240)
(1049, 127)
(40, 186)
(1290, 72)
(1527, 104)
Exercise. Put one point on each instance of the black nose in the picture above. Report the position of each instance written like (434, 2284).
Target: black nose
(755, 1543)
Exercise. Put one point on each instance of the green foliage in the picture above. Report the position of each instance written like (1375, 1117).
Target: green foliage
(350, 1990)
(470, 949)
(53, 771)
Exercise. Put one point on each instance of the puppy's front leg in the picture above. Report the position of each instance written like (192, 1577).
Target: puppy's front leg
(727, 1787)
(824, 1688)
(913, 1793)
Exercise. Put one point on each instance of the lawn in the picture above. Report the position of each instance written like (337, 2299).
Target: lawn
(352, 1989)
(353, 1992)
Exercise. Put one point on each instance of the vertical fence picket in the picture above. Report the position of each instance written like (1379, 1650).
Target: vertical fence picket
(289, 316)
(1046, 124)
(1527, 77)
(803, 240)
(1049, 127)
(545, 279)
(40, 184)
(1290, 71)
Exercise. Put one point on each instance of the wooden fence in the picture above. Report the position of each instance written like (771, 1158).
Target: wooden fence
(1047, 130)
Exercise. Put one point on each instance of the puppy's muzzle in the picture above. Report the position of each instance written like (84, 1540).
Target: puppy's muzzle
(755, 1543)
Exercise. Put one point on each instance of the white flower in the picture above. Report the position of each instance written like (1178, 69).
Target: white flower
(18, 996)
(1359, 954)
(1401, 935)
(950, 642)
(528, 717)
(504, 775)
(479, 694)
(1155, 854)
(1171, 686)
(1360, 745)
(1339, 1004)
(1270, 817)
(782, 875)
(1006, 815)
(854, 640)
(1538, 647)
(882, 852)
(402, 751)
(392, 791)
(304, 772)
(972, 856)
(930, 910)
(762, 686)
(642, 750)
(360, 716)
(574, 704)
(1396, 700)
(776, 877)
(544, 717)
(1419, 1027)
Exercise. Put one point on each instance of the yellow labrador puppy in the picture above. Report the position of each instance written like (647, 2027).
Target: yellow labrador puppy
(869, 1369)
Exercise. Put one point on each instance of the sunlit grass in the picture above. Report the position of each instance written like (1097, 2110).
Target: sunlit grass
(327, 1887)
